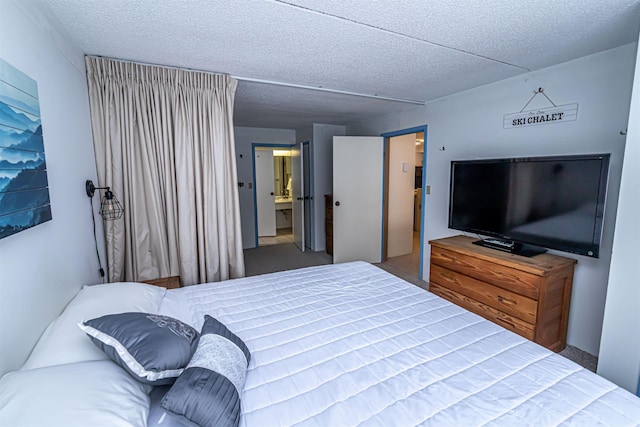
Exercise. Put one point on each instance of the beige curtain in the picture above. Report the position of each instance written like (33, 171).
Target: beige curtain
(164, 143)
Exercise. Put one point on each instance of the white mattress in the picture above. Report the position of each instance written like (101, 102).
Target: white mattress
(350, 344)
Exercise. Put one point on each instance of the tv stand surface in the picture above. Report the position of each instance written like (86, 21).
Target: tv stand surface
(511, 247)
(529, 296)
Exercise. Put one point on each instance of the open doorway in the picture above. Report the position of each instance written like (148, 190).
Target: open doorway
(273, 194)
(283, 199)
(403, 196)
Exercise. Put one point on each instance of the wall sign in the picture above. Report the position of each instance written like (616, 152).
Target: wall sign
(24, 189)
(541, 116)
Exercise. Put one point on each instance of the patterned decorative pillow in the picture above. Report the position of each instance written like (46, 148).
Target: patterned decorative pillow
(154, 349)
(208, 391)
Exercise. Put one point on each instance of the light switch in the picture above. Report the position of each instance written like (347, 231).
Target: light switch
(428, 189)
(405, 167)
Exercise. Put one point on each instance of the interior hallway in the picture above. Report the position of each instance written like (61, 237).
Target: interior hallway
(286, 256)
(407, 266)
(283, 235)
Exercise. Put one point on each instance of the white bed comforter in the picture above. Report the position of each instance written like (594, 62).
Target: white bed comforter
(350, 344)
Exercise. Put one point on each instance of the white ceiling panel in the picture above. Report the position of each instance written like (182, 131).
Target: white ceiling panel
(412, 49)
(527, 34)
(290, 45)
(301, 107)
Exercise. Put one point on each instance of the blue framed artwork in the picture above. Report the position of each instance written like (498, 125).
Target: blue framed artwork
(24, 189)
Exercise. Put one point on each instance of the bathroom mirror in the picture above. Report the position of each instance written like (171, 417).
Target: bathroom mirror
(282, 173)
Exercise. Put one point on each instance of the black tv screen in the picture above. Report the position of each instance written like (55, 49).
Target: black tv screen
(551, 202)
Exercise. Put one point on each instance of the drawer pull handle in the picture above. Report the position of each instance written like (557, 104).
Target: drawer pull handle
(506, 300)
(511, 325)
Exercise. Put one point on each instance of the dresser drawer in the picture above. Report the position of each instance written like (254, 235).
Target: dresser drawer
(498, 275)
(509, 302)
(505, 320)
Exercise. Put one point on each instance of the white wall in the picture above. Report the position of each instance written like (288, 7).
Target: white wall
(468, 125)
(304, 134)
(244, 137)
(322, 158)
(619, 358)
(407, 118)
(42, 268)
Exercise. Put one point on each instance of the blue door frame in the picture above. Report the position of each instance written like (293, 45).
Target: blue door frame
(424, 187)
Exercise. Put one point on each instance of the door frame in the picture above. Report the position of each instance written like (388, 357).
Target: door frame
(255, 145)
(312, 227)
(385, 186)
(297, 198)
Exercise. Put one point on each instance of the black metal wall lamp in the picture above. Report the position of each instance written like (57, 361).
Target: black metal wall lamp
(110, 207)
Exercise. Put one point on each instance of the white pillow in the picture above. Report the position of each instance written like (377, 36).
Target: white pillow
(175, 305)
(62, 341)
(97, 393)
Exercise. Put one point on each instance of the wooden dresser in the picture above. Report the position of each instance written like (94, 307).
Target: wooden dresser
(328, 222)
(529, 296)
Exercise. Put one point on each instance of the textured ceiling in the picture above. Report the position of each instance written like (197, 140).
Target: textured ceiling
(411, 49)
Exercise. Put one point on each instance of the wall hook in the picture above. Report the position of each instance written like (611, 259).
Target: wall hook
(536, 92)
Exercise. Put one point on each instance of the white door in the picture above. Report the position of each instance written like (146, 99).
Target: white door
(357, 198)
(297, 196)
(265, 199)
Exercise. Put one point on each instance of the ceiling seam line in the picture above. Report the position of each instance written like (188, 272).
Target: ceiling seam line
(396, 33)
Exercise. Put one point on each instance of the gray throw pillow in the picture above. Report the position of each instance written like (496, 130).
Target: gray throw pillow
(154, 349)
(208, 391)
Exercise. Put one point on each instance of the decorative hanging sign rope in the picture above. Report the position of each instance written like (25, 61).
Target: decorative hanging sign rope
(541, 116)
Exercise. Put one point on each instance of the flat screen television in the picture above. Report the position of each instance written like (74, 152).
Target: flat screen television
(528, 204)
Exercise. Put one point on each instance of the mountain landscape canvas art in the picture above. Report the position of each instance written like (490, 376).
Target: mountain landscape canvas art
(24, 189)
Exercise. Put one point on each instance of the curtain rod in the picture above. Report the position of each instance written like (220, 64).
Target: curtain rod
(284, 84)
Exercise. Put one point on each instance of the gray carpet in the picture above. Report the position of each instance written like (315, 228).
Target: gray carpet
(410, 277)
(582, 358)
(269, 259)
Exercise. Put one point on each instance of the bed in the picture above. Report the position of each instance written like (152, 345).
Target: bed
(350, 344)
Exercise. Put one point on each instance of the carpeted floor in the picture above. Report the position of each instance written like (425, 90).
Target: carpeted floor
(582, 358)
(409, 276)
(269, 259)
(283, 235)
